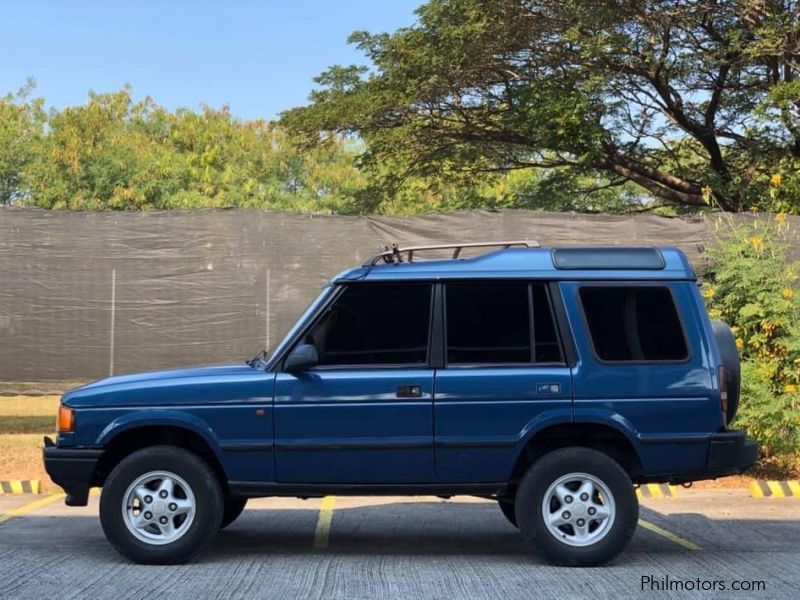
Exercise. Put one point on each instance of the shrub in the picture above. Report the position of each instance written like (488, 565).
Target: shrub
(752, 284)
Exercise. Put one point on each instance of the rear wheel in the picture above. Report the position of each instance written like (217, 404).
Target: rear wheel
(577, 506)
(509, 511)
(234, 506)
(161, 505)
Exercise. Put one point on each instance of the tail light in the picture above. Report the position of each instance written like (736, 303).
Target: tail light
(66, 419)
(723, 393)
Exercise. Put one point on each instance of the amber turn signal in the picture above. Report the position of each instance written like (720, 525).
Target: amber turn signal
(65, 419)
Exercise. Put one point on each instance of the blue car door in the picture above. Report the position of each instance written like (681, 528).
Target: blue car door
(364, 415)
(504, 374)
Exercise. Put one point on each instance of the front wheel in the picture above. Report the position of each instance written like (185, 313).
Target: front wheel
(161, 505)
(577, 506)
(234, 506)
(509, 510)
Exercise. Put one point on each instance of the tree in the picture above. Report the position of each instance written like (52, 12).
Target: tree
(695, 101)
(21, 125)
(117, 153)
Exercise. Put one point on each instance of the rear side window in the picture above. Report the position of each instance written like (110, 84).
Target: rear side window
(633, 324)
(491, 323)
(375, 324)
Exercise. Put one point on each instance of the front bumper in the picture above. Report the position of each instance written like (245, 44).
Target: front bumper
(72, 469)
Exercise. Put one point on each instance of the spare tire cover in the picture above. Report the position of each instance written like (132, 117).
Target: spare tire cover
(726, 344)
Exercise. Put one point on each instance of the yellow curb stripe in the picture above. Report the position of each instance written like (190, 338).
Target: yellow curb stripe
(656, 490)
(323, 530)
(20, 486)
(668, 535)
(31, 506)
(775, 488)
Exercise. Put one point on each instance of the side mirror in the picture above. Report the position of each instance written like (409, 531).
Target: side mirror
(302, 358)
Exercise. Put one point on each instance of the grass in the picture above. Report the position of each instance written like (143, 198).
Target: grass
(27, 414)
(21, 458)
(23, 422)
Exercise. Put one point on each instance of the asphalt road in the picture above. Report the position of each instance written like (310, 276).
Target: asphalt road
(408, 548)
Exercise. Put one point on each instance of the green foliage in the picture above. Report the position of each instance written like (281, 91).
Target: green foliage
(115, 153)
(21, 128)
(753, 286)
(695, 101)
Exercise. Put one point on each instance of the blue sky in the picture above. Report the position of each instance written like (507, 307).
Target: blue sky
(259, 57)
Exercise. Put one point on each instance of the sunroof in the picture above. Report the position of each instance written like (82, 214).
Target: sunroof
(607, 258)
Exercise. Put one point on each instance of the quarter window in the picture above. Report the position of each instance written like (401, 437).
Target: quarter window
(629, 324)
(375, 324)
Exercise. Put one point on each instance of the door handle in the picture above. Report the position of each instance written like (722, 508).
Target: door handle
(409, 391)
(548, 388)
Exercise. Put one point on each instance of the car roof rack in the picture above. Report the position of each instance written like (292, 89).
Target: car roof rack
(395, 253)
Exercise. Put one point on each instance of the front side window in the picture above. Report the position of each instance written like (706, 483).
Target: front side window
(633, 324)
(490, 323)
(375, 324)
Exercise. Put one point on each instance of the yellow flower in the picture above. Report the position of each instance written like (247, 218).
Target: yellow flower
(758, 242)
(787, 293)
(708, 293)
(790, 388)
(739, 344)
(780, 217)
(776, 180)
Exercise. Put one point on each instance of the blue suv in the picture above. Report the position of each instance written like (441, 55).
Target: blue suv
(548, 380)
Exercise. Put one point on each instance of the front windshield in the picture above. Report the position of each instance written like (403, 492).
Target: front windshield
(260, 360)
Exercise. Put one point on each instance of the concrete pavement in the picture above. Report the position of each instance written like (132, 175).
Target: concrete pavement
(411, 548)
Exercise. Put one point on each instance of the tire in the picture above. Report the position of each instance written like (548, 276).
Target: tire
(509, 511)
(234, 505)
(729, 353)
(194, 497)
(604, 538)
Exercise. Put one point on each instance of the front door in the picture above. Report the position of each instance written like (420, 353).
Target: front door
(365, 414)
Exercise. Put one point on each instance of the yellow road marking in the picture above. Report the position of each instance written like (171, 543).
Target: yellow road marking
(795, 487)
(668, 535)
(31, 506)
(655, 491)
(323, 530)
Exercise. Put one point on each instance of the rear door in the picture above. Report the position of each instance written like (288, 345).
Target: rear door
(504, 371)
